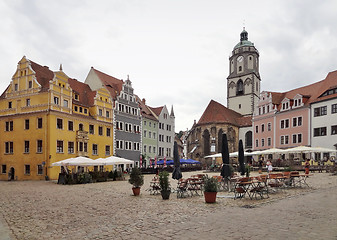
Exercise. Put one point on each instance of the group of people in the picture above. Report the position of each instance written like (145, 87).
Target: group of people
(269, 166)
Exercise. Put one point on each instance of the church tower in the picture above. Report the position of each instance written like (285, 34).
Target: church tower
(243, 82)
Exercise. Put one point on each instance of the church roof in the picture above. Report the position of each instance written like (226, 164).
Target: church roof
(217, 113)
(244, 40)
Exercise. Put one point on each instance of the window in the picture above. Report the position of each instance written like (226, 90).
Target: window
(144, 133)
(75, 108)
(119, 144)
(65, 103)
(154, 135)
(56, 100)
(26, 124)
(59, 123)
(262, 142)
(27, 102)
(94, 149)
(9, 105)
(262, 128)
(299, 138)
(59, 147)
(91, 129)
(334, 108)
(70, 147)
(257, 143)
(299, 121)
(9, 126)
(70, 126)
(81, 109)
(39, 169)
(282, 140)
(85, 110)
(16, 87)
(320, 131)
(269, 141)
(39, 123)
(286, 139)
(334, 130)
(144, 148)
(9, 146)
(320, 111)
(85, 147)
(100, 131)
(256, 129)
(269, 126)
(39, 146)
(108, 132)
(100, 112)
(30, 84)
(3, 169)
(107, 150)
(239, 87)
(285, 123)
(27, 169)
(107, 114)
(294, 122)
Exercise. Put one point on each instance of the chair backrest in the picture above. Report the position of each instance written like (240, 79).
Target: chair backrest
(296, 173)
(244, 179)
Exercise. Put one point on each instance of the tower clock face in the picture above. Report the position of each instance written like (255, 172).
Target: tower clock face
(240, 58)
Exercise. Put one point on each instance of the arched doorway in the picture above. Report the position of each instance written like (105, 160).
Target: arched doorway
(11, 174)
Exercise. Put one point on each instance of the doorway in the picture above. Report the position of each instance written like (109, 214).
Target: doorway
(11, 174)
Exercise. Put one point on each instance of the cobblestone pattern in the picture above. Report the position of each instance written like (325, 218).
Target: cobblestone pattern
(45, 210)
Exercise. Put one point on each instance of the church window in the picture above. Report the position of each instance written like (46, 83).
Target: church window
(239, 87)
(240, 68)
(239, 106)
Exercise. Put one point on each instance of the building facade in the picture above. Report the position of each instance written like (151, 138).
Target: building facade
(150, 125)
(47, 117)
(166, 131)
(126, 114)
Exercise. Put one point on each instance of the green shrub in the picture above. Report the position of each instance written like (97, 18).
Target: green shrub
(210, 184)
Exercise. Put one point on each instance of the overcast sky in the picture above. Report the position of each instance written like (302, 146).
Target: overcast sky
(175, 51)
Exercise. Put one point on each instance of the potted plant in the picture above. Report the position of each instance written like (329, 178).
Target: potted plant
(210, 189)
(137, 180)
(165, 188)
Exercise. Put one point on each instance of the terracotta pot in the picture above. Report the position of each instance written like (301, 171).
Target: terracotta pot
(136, 191)
(210, 197)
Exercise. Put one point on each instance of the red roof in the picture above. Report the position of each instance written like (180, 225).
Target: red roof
(113, 84)
(144, 110)
(217, 113)
(43, 75)
(157, 110)
(86, 95)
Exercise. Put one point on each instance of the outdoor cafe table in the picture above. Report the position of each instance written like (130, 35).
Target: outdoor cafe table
(299, 179)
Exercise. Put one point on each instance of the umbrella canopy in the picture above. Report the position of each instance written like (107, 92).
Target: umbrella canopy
(189, 161)
(269, 151)
(241, 158)
(233, 154)
(225, 171)
(113, 160)
(176, 174)
(78, 161)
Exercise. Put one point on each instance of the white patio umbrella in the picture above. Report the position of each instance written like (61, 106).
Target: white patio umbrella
(78, 161)
(322, 149)
(233, 154)
(269, 151)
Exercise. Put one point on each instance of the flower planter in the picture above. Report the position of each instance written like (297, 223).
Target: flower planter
(210, 197)
(136, 191)
(165, 194)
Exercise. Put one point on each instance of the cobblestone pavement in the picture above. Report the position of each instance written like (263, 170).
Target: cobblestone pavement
(45, 210)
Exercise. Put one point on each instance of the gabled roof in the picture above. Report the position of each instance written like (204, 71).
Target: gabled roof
(113, 84)
(311, 93)
(144, 109)
(217, 113)
(157, 110)
(43, 75)
(86, 95)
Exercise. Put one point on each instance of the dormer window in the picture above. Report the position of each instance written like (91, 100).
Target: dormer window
(76, 96)
(30, 84)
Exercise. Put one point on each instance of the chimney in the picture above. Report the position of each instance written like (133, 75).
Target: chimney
(143, 100)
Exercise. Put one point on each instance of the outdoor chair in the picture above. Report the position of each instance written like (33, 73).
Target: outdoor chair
(222, 186)
(154, 186)
(241, 187)
(259, 188)
(182, 191)
(276, 181)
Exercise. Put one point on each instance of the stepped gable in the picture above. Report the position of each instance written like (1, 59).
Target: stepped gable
(113, 84)
(217, 113)
(86, 95)
(43, 75)
(157, 110)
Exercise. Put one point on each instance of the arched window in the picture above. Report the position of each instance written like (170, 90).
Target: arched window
(239, 88)
(206, 138)
(248, 139)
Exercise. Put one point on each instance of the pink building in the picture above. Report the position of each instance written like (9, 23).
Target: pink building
(282, 120)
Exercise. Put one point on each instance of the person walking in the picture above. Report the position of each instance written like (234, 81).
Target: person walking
(260, 165)
(269, 166)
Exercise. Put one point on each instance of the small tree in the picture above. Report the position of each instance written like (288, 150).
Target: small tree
(136, 177)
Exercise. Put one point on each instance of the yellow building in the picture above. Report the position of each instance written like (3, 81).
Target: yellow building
(46, 117)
